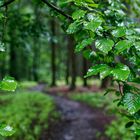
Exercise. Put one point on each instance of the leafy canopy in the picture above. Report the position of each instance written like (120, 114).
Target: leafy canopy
(111, 40)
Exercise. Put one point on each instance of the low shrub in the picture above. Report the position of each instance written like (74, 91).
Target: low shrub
(29, 113)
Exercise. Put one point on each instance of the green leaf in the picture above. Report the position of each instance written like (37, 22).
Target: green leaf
(2, 48)
(73, 27)
(84, 44)
(105, 73)
(119, 32)
(137, 132)
(121, 72)
(8, 84)
(93, 25)
(104, 45)
(122, 45)
(6, 130)
(137, 46)
(78, 14)
(131, 102)
(96, 69)
(86, 53)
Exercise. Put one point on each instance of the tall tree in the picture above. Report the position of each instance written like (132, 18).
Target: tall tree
(71, 44)
(53, 52)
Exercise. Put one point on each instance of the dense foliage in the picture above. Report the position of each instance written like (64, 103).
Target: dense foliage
(110, 39)
(29, 113)
(106, 33)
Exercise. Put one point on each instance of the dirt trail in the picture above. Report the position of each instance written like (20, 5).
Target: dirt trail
(78, 121)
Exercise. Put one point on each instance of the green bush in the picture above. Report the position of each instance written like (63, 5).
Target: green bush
(92, 99)
(28, 113)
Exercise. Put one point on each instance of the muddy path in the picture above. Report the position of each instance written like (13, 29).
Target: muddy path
(78, 121)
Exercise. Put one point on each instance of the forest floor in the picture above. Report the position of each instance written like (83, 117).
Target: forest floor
(78, 121)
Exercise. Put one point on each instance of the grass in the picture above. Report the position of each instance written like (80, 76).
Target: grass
(92, 99)
(26, 84)
(79, 82)
(29, 113)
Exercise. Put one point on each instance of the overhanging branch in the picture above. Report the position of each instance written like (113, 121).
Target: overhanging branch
(6, 3)
(57, 9)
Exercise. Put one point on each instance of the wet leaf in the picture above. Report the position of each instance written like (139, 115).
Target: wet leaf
(73, 27)
(78, 14)
(93, 25)
(96, 69)
(83, 44)
(8, 84)
(6, 130)
(122, 45)
(119, 32)
(121, 72)
(131, 102)
(104, 45)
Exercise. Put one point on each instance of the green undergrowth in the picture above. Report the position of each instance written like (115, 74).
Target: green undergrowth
(26, 84)
(116, 130)
(29, 113)
(92, 99)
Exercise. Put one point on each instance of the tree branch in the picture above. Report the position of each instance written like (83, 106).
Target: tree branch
(6, 3)
(57, 9)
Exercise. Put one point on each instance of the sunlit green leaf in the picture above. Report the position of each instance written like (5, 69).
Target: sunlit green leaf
(6, 130)
(105, 73)
(121, 72)
(137, 46)
(78, 14)
(73, 27)
(8, 84)
(96, 69)
(2, 48)
(104, 45)
(83, 44)
(119, 32)
(122, 45)
(93, 25)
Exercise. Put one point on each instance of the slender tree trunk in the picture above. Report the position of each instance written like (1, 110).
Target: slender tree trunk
(68, 63)
(35, 63)
(12, 62)
(73, 63)
(53, 53)
(67, 71)
(84, 72)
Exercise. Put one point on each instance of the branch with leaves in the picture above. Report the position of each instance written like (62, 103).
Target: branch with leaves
(52, 6)
(6, 3)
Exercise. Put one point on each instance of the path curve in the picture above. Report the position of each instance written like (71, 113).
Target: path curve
(78, 121)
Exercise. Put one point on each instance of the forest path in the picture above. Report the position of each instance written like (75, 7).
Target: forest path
(78, 121)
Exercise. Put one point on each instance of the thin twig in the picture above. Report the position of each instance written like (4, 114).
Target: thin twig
(57, 9)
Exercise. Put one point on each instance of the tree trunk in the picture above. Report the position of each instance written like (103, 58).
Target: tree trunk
(73, 63)
(53, 53)
(67, 71)
(106, 82)
(35, 63)
(84, 72)
(12, 62)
